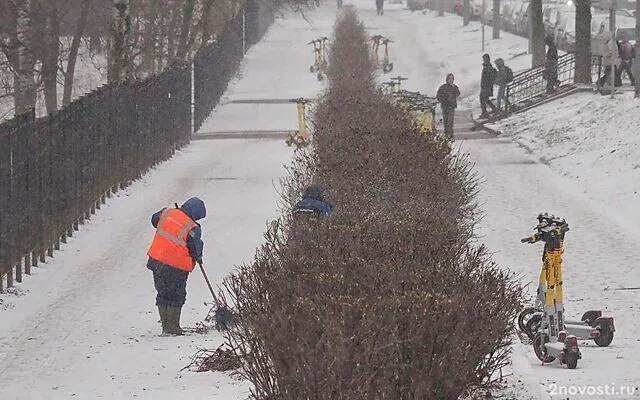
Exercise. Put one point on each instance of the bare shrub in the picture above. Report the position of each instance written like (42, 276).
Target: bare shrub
(389, 298)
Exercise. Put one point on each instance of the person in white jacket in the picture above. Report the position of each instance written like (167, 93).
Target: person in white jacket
(610, 56)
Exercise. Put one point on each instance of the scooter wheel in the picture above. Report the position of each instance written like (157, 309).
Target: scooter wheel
(571, 360)
(320, 77)
(532, 326)
(522, 316)
(538, 348)
(604, 341)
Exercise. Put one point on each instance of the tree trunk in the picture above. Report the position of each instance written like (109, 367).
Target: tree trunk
(150, 40)
(583, 41)
(50, 56)
(73, 55)
(636, 63)
(171, 36)
(120, 29)
(537, 34)
(26, 81)
(466, 12)
(204, 25)
(187, 16)
(441, 8)
(496, 19)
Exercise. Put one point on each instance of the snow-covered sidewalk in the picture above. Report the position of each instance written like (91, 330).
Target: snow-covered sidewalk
(86, 326)
(588, 177)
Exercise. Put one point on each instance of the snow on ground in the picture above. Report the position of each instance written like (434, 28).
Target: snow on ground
(591, 139)
(86, 328)
(590, 184)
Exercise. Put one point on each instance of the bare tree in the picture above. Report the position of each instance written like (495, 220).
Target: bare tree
(120, 30)
(25, 93)
(496, 19)
(537, 34)
(583, 41)
(73, 53)
(187, 18)
(50, 38)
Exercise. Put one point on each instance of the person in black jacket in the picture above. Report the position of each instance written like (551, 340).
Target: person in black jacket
(551, 65)
(487, 80)
(448, 95)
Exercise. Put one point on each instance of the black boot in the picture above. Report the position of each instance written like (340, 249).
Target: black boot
(173, 321)
(162, 311)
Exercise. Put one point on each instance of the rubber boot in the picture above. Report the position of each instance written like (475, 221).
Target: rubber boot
(162, 311)
(173, 321)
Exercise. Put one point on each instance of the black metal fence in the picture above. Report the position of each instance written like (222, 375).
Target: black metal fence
(530, 86)
(57, 170)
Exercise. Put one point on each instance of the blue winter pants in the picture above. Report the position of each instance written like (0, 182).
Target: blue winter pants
(171, 286)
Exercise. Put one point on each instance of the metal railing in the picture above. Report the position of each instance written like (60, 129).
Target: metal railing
(530, 86)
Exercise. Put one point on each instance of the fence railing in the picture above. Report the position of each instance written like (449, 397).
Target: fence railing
(531, 85)
(56, 171)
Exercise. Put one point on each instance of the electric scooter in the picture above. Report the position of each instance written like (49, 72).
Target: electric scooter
(317, 49)
(387, 65)
(300, 137)
(592, 325)
(551, 340)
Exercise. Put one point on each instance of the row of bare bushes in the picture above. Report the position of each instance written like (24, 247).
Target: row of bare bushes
(389, 298)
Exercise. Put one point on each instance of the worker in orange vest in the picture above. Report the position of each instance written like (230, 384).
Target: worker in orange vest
(176, 248)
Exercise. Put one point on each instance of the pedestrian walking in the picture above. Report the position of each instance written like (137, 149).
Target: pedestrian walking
(448, 95)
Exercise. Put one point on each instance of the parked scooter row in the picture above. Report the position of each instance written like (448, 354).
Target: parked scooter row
(419, 105)
(385, 64)
(320, 63)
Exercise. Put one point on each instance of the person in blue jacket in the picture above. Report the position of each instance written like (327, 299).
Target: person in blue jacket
(177, 246)
(313, 203)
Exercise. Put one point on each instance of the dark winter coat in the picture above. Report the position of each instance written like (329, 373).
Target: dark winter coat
(488, 79)
(196, 210)
(313, 201)
(448, 96)
(501, 76)
(551, 60)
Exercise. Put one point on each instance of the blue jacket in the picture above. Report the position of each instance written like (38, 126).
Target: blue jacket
(313, 201)
(196, 210)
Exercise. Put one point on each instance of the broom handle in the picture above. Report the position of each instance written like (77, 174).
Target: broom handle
(215, 299)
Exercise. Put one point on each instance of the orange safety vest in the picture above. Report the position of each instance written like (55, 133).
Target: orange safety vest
(169, 244)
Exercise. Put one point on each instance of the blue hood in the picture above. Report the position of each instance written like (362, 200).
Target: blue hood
(314, 192)
(194, 208)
